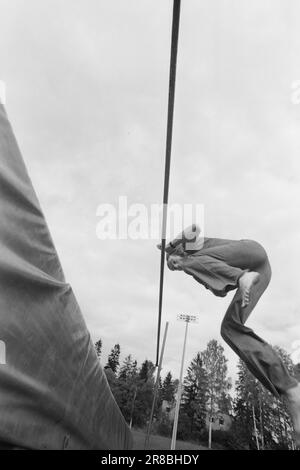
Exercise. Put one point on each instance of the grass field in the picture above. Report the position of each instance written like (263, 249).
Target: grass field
(161, 443)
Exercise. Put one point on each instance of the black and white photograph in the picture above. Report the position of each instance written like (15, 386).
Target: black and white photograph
(149, 228)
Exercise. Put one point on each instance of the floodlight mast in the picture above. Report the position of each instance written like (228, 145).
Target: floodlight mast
(187, 319)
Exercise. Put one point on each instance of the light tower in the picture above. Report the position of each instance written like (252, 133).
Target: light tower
(187, 319)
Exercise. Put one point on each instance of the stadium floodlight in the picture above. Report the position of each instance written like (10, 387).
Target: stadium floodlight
(187, 319)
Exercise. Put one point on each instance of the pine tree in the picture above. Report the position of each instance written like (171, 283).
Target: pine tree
(113, 358)
(194, 398)
(98, 346)
(168, 388)
(144, 395)
(146, 371)
(128, 368)
(124, 387)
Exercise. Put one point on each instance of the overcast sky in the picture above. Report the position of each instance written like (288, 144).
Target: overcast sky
(87, 87)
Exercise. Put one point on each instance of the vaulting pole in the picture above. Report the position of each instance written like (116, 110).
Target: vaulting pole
(172, 82)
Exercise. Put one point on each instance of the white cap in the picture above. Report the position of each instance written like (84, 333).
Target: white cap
(2, 92)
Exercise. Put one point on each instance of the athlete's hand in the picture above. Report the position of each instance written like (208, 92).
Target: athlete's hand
(168, 248)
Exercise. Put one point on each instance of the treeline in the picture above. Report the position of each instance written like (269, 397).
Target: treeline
(261, 421)
(133, 386)
(257, 419)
